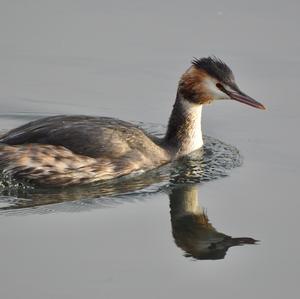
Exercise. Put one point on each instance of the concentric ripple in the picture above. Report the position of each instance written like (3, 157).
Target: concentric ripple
(211, 162)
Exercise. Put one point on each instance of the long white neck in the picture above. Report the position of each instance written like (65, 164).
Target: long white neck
(184, 134)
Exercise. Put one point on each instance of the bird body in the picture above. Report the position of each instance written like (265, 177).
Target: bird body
(64, 150)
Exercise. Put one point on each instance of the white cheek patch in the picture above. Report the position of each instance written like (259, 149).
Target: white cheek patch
(210, 85)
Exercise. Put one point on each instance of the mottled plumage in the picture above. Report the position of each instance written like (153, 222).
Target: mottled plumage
(64, 150)
(83, 135)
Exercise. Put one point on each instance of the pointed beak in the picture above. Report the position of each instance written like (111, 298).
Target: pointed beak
(239, 96)
(243, 98)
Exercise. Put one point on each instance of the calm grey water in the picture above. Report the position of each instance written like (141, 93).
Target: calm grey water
(124, 59)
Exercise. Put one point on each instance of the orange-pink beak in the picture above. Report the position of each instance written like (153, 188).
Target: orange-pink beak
(241, 97)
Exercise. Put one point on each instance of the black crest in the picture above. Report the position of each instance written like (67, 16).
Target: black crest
(215, 67)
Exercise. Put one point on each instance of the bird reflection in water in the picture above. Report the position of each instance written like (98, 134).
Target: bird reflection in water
(191, 228)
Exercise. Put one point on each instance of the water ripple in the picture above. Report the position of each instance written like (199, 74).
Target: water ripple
(211, 162)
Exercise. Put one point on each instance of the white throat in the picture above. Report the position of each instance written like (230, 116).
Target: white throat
(193, 113)
(184, 134)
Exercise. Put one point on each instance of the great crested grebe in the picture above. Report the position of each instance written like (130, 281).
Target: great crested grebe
(67, 150)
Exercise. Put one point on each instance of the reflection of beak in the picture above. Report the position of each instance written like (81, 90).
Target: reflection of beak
(241, 97)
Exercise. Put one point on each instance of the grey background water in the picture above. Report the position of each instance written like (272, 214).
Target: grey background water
(123, 59)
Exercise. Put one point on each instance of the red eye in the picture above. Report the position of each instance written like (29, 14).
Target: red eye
(221, 87)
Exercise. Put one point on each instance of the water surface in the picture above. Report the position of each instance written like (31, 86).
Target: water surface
(124, 59)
